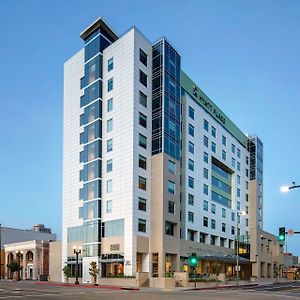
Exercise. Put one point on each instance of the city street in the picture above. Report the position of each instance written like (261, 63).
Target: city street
(29, 290)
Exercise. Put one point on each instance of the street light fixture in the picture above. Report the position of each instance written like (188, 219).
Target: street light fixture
(286, 188)
(77, 252)
(238, 214)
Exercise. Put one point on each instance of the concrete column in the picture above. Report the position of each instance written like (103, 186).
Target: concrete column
(24, 269)
(35, 264)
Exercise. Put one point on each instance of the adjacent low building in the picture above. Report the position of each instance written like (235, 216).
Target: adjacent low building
(11, 237)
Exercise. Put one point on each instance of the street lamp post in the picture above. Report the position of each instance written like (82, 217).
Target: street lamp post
(77, 252)
(238, 214)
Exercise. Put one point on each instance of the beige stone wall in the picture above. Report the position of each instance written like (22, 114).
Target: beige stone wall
(55, 269)
(161, 243)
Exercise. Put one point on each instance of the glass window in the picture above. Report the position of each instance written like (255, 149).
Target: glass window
(109, 165)
(220, 199)
(238, 166)
(143, 78)
(191, 164)
(171, 207)
(247, 160)
(205, 205)
(142, 204)
(213, 224)
(171, 187)
(232, 230)
(247, 185)
(91, 93)
(143, 141)
(205, 189)
(108, 206)
(142, 120)
(142, 183)
(109, 145)
(213, 147)
(232, 148)
(205, 125)
(213, 208)
(91, 171)
(109, 105)
(143, 57)
(191, 130)
(110, 84)
(232, 216)
(109, 126)
(205, 173)
(238, 152)
(223, 227)
(191, 113)
(191, 199)
(92, 48)
(113, 228)
(247, 222)
(205, 141)
(223, 140)
(213, 131)
(90, 190)
(169, 228)
(232, 162)
(247, 173)
(109, 186)
(223, 155)
(143, 99)
(223, 212)
(190, 217)
(142, 225)
(142, 162)
(238, 205)
(191, 182)
(191, 147)
(205, 157)
(171, 167)
(205, 221)
(238, 179)
(110, 64)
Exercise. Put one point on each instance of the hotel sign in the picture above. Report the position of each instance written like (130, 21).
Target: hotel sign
(208, 106)
(204, 101)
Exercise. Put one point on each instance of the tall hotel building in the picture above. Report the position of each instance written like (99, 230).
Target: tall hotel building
(153, 169)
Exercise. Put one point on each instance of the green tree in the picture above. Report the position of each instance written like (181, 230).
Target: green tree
(67, 272)
(15, 268)
(94, 271)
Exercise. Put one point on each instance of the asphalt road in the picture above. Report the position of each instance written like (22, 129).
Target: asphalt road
(28, 290)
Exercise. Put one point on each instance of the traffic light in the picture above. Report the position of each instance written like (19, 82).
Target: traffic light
(281, 236)
(193, 260)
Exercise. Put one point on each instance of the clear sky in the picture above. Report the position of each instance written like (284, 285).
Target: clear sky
(243, 54)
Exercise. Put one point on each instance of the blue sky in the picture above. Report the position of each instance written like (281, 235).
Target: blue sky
(243, 54)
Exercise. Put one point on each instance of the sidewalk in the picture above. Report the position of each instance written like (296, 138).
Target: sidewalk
(85, 285)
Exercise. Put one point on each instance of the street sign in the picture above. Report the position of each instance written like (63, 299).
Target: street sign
(235, 267)
(291, 232)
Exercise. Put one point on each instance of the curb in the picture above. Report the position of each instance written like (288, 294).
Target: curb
(217, 287)
(108, 287)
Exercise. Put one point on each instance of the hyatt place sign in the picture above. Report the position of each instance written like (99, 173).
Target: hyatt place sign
(208, 105)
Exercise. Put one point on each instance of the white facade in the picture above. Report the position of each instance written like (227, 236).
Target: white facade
(125, 136)
(200, 115)
(73, 71)
(124, 238)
